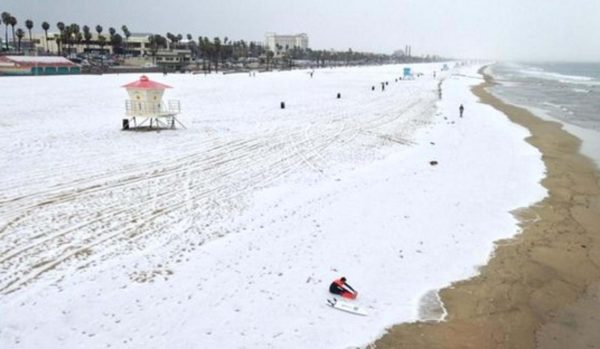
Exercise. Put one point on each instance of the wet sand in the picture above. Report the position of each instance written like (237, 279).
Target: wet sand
(541, 289)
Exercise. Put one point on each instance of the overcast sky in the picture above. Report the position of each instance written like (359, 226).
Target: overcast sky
(496, 29)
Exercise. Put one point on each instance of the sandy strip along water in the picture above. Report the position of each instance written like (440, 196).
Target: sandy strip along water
(541, 289)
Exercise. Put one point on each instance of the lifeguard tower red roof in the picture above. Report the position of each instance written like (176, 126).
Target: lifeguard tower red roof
(145, 83)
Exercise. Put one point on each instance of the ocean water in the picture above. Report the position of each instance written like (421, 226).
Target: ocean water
(565, 92)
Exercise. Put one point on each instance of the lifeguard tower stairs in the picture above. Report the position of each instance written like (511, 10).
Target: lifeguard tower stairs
(151, 115)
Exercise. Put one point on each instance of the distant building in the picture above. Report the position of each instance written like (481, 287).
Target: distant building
(174, 60)
(399, 54)
(32, 65)
(53, 41)
(138, 44)
(282, 43)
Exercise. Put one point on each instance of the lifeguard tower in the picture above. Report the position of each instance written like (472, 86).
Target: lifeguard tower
(408, 75)
(145, 107)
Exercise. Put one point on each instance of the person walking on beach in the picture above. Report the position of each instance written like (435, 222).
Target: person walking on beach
(340, 287)
(461, 109)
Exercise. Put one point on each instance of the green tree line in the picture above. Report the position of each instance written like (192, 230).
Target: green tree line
(213, 53)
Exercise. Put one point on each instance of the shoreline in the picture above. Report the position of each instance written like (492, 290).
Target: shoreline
(541, 282)
(589, 137)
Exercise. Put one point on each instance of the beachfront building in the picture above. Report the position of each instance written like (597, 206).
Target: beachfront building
(138, 44)
(33, 65)
(174, 59)
(52, 45)
(282, 43)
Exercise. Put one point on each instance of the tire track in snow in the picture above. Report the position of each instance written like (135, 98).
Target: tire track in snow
(71, 251)
(225, 173)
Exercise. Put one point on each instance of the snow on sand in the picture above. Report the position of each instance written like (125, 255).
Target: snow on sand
(227, 234)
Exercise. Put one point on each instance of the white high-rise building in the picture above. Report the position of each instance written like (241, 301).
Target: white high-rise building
(282, 43)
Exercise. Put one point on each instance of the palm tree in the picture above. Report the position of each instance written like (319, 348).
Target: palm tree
(46, 26)
(153, 46)
(349, 56)
(99, 31)
(172, 38)
(61, 28)
(20, 35)
(244, 49)
(78, 38)
(155, 42)
(190, 40)
(191, 45)
(210, 52)
(101, 42)
(67, 39)
(29, 25)
(13, 22)
(87, 36)
(224, 50)
(111, 37)
(270, 55)
(6, 20)
(216, 52)
(252, 48)
(74, 34)
(127, 34)
(116, 42)
(201, 49)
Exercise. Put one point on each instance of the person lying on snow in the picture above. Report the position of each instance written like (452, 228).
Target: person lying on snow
(340, 287)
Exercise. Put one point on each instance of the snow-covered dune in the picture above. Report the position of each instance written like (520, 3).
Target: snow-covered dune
(227, 234)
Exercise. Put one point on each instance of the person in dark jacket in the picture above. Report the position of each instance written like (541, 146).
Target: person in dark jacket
(461, 109)
(340, 287)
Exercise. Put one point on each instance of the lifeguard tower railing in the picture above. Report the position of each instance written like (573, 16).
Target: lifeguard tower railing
(151, 109)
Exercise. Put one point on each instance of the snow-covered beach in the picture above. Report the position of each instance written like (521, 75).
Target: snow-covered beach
(228, 233)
